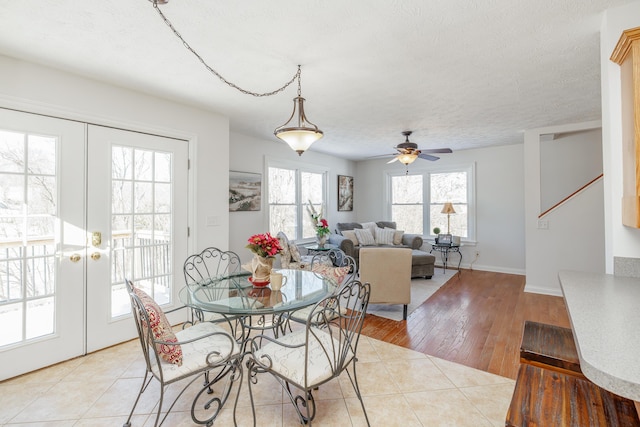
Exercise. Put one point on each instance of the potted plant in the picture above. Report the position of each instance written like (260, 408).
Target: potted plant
(436, 231)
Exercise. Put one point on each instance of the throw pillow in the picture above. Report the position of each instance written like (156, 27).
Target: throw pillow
(285, 253)
(295, 253)
(351, 235)
(365, 238)
(397, 236)
(161, 329)
(335, 274)
(384, 236)
(371, 226)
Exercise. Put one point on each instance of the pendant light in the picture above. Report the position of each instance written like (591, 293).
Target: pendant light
(298, 131)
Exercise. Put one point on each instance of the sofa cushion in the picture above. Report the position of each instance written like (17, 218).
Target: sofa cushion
(351, 235)
(384, 236)
(386, 224)
(365, 238)
(341, 226)
(371, 226)
(397, 236)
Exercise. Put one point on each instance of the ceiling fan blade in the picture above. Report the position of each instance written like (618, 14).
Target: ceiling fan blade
(393, 160)
(437, 150)
(427, 157)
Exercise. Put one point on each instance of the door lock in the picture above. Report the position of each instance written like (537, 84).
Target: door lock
(75, 258)
(95, 256)
(96, 238)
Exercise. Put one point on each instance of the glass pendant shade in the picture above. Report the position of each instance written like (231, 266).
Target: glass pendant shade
(298, 132)
(407, 159)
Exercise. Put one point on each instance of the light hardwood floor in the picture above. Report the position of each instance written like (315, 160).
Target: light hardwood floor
(475, 319)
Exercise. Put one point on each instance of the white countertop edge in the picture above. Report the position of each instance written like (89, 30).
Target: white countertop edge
(592, 290)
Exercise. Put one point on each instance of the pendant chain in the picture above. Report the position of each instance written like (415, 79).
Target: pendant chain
(214, 72)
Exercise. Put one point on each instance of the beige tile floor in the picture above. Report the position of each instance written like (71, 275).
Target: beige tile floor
(400, 388)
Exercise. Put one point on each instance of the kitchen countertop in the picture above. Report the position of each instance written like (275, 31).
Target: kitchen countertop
(605, 317)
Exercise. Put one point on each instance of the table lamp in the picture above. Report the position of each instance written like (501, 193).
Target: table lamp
(448, 209)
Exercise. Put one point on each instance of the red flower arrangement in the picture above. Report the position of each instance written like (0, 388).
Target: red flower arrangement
(264, 245)
(322, 228)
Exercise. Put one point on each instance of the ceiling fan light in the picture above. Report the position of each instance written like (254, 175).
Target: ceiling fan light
(407, 158)
(299, 137)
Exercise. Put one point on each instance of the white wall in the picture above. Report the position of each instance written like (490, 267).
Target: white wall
(499, 202)
(249, 154)
(574, 239)
(39, 89)
(620, 241)
(561, 172)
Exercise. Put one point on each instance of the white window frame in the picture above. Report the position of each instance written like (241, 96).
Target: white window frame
(426, 196)
(298, 167)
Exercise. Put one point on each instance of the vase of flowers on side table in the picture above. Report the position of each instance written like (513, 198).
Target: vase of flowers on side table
(322, 232)
(265, 248)
(320, 225)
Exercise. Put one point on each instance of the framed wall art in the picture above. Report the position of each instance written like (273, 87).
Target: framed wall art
(345, 193)
(245, 191)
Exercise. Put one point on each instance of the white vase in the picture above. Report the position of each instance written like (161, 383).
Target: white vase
(261, 268)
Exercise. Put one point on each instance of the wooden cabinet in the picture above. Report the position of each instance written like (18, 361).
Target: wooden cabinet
(627, 55)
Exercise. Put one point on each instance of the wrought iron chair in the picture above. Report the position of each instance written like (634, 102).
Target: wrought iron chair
(333, 264)
(315, 354)
(201, 270)
(204, 348)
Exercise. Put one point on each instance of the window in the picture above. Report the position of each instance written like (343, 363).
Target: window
(407, 202)
(290, 190)
(410, 194)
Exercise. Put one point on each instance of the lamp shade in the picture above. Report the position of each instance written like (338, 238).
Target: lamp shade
(448, 208)
(407, 158)
(298, 132)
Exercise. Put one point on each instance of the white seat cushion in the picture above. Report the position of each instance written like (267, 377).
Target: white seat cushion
(290, 362)
(194, 354)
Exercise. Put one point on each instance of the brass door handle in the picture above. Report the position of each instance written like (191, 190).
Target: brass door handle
(95, 256)
(75, 257)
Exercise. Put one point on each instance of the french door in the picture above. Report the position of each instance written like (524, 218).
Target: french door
(137, 223)
(81, 208)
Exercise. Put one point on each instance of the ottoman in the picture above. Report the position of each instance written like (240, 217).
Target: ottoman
(422, 264)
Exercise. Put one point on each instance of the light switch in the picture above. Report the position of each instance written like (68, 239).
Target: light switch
(543, 224)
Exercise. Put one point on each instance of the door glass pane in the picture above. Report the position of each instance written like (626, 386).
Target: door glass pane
(142, 215)
(28, 220)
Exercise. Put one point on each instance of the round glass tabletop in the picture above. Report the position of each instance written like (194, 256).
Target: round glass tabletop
(236, 295)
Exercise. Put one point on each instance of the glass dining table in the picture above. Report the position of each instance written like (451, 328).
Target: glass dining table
(261, 308)
(234, 300)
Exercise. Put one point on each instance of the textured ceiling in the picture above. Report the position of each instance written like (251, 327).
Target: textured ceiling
(459, 73)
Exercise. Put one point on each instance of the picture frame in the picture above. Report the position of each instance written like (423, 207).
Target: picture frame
(444, 239)
(345, 193)
(245, 191)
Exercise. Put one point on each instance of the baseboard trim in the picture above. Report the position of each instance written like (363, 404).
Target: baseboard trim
(495, 269)
(543, 291)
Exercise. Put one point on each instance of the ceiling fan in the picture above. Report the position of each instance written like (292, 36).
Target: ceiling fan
(408, 151)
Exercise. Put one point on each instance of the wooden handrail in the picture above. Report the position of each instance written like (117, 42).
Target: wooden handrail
(570, 195)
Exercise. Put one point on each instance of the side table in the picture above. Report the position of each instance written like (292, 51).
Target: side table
(444, 250)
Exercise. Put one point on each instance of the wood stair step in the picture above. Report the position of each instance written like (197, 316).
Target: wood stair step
(544, 397)
(551, 347)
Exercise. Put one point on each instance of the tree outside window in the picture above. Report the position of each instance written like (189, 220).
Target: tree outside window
(290, 191)
(409, 193)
